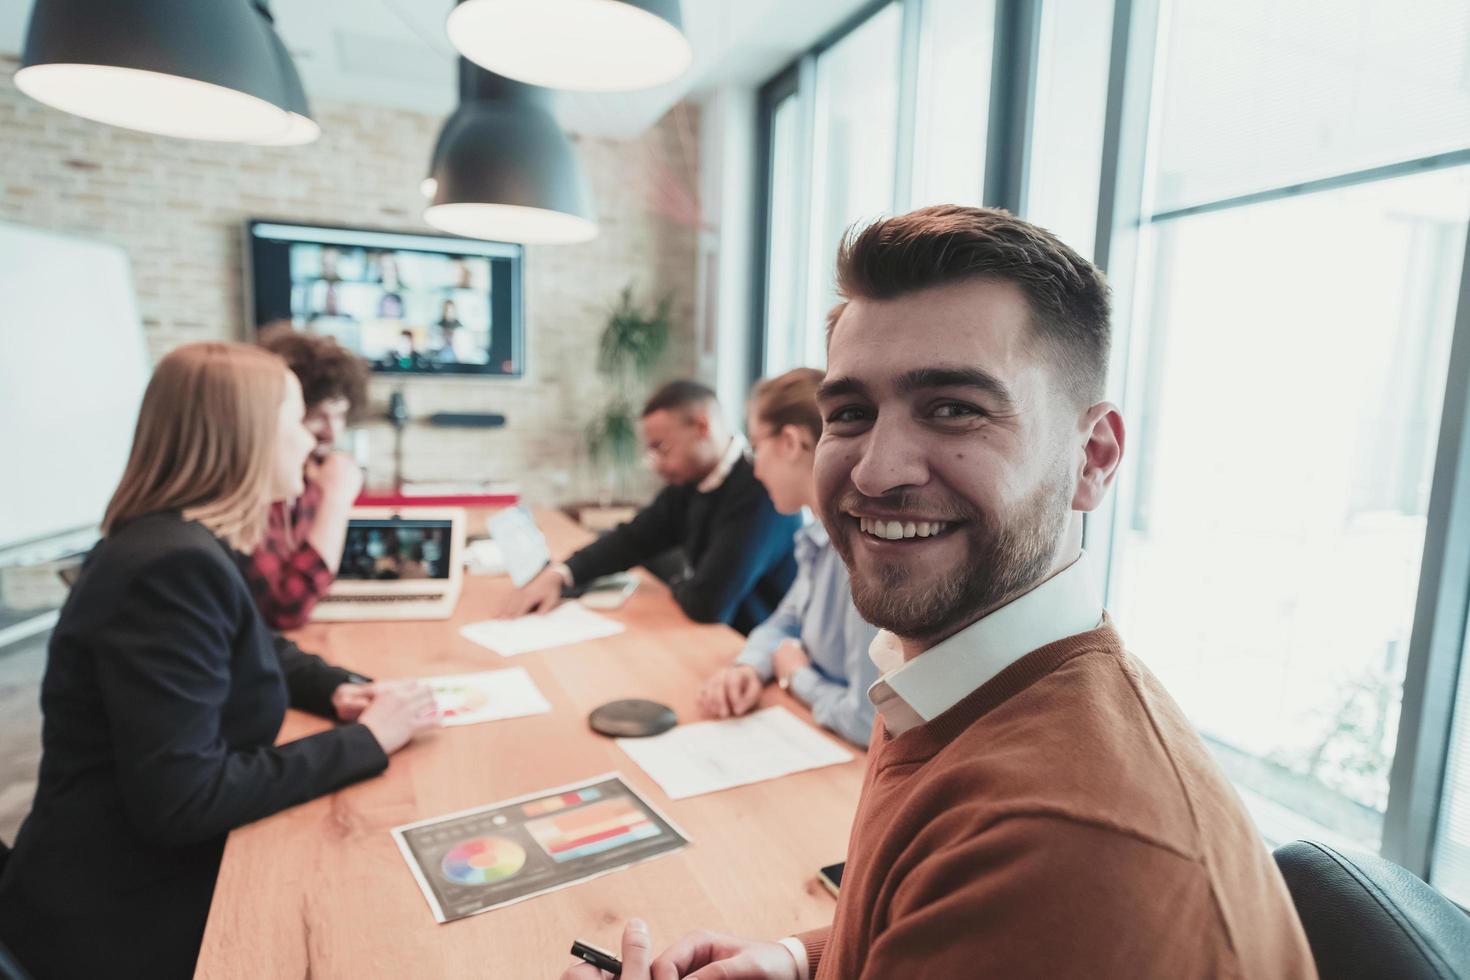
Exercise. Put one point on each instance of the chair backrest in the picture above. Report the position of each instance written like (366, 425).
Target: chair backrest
(1367, 917)
(10, 968)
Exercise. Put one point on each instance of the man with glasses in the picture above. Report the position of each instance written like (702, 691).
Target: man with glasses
(738, 551)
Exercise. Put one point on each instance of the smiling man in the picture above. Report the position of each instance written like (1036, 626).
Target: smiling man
(1035, 804)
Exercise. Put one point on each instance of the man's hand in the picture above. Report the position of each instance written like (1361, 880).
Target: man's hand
(636, 951)
(540, 595)
(339, 477)
(732, 692)
(711, 956)
(698, 956)
(349, 700)
(789, 657)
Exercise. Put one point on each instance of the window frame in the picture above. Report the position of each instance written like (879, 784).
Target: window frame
(1011, 99)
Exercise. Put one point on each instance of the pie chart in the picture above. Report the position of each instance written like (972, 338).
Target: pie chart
(483, 861)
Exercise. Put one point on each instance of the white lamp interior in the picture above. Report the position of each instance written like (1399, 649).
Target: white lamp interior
(510, 223)
(584, 45)
(155, 103)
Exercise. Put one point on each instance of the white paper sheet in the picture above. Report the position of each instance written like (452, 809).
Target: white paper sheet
(483, 557)
(568, 623)
(709, 756)
(468, 699)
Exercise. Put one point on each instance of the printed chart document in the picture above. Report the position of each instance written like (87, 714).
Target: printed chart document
(481, 859)
(568, 623)
(468, 699)
(713, 755)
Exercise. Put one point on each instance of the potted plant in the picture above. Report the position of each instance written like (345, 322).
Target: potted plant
(628, 355)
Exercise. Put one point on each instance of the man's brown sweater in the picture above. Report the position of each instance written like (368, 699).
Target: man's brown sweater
(1063, 820)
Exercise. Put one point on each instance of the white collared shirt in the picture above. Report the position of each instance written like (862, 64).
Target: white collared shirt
(909, 694)
(721, 472)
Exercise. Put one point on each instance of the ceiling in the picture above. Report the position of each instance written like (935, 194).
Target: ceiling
(396, 53)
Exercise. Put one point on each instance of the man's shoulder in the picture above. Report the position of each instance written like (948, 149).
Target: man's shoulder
(742, 491)
(1096, 741)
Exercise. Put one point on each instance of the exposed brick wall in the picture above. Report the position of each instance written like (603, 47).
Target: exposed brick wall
(178, 209)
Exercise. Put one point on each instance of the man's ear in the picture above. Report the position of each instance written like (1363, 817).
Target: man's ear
(699, 418)
(1102, 451)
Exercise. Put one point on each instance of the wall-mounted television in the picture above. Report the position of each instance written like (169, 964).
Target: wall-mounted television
(407, 303)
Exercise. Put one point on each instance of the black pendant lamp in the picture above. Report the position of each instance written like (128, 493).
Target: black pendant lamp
(583, 45)
(503, 169)
(195, 69)
(301, 126)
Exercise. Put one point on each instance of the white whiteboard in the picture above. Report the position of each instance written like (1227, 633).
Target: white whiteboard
(73, 365)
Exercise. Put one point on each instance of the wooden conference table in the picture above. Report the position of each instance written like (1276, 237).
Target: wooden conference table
(321, 890)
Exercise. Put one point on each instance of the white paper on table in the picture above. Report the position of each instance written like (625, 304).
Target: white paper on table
(490, 695)
(713, 755)
(483, 557)
(568, 623)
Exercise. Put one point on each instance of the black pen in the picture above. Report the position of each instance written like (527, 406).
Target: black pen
(599, 958)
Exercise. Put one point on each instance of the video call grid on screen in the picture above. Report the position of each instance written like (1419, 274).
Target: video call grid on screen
(408, 304)
(393, 549)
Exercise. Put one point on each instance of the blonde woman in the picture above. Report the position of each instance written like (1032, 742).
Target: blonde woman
(815, 644)
(164, 689)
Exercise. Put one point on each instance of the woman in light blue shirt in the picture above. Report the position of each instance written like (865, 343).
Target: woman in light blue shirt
(815, 644)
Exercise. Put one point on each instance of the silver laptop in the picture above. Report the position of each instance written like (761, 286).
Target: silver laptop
(398, 563)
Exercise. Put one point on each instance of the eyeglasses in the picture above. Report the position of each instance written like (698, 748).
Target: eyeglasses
(756, 440)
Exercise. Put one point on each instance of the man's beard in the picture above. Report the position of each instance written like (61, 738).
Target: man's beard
(1002, 562)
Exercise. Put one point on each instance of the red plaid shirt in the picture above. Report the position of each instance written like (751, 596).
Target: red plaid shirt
(286, 573)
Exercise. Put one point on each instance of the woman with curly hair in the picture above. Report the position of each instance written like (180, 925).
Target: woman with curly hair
(298, 557)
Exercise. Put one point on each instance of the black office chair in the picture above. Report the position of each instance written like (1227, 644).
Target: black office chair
(10, 968)
(1367, 918)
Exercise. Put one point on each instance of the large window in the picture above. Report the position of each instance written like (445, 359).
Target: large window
(1283, 189)
(888, 115)
(785, 342)
(1066, 151)
(855, 146)
(952, 101)
(1298, 270)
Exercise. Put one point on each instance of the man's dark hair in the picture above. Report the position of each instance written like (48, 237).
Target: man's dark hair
(947, 243)
(324, 367)
(679, 395)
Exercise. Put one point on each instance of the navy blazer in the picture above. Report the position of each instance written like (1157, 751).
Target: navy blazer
(163, 695)
(738, 548)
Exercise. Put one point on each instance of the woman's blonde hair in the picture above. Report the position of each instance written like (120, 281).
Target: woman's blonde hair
(790, 399)
(206, 442)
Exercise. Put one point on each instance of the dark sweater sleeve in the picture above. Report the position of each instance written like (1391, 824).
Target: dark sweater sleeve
(310, 680)
(748, 536)
(652, 531)
(163, 663)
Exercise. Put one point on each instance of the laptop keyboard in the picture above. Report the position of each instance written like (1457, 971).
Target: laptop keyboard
(433, 597)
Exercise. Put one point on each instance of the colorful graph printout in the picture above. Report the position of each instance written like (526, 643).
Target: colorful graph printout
(468, 699)
(481, 859)
(554, 803)
(592, 829)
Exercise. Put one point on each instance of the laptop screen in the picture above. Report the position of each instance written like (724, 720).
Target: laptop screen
(396, 548)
